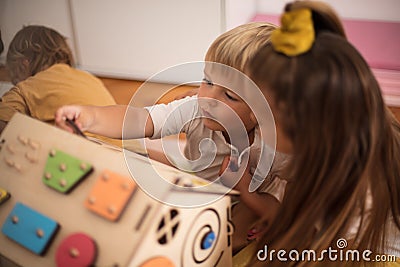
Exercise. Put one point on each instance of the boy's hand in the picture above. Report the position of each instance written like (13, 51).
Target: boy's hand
(72, 113)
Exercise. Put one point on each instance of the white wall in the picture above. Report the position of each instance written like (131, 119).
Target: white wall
(238, 12)
(136, 39)
(388, 10)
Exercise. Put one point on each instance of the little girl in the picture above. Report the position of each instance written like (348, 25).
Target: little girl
(345, 144)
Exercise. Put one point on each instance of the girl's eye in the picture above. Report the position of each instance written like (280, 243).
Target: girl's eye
(208, 82)
(230, 97)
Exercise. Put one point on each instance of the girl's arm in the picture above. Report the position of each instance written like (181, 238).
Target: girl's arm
(263, 205)
(107, 121)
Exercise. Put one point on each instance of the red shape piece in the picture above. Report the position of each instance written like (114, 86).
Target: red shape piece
(78, 250)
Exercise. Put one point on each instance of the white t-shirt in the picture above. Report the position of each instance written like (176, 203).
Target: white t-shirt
(206, 149)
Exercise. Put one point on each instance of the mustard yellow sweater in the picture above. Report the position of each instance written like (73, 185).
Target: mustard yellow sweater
(41, 95)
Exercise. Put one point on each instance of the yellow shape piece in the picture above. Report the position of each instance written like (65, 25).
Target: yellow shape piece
(4, 195)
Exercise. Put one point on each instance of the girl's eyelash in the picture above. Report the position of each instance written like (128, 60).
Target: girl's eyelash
(230, 97)
(208, 82)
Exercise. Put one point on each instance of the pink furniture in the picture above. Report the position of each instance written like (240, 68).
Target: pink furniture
(379, 43)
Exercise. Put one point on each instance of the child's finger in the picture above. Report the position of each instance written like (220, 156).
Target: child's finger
(224, 165)
(63, 125)
(75, 127)
(233, 164)
(61, 116)
(231, 171)
(243, 163)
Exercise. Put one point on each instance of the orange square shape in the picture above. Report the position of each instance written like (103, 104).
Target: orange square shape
(110, 194)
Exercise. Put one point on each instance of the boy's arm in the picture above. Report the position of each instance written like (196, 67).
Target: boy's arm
(107, 121)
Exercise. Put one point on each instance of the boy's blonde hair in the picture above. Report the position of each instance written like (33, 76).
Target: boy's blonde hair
(35, 48)
(236, 46)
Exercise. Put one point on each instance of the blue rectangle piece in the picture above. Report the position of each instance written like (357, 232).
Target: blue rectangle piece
(30, 228)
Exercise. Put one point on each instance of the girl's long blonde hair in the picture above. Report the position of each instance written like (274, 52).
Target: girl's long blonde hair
(346, 148)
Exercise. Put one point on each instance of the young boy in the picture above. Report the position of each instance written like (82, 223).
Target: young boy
(214, 122)
(40, 64)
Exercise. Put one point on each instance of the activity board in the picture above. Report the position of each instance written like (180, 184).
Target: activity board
(68, 201)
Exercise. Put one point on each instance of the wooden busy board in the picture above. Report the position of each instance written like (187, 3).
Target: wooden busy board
(68, 201)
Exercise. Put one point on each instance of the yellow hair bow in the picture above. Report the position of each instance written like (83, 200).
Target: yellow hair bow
(296, 34)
